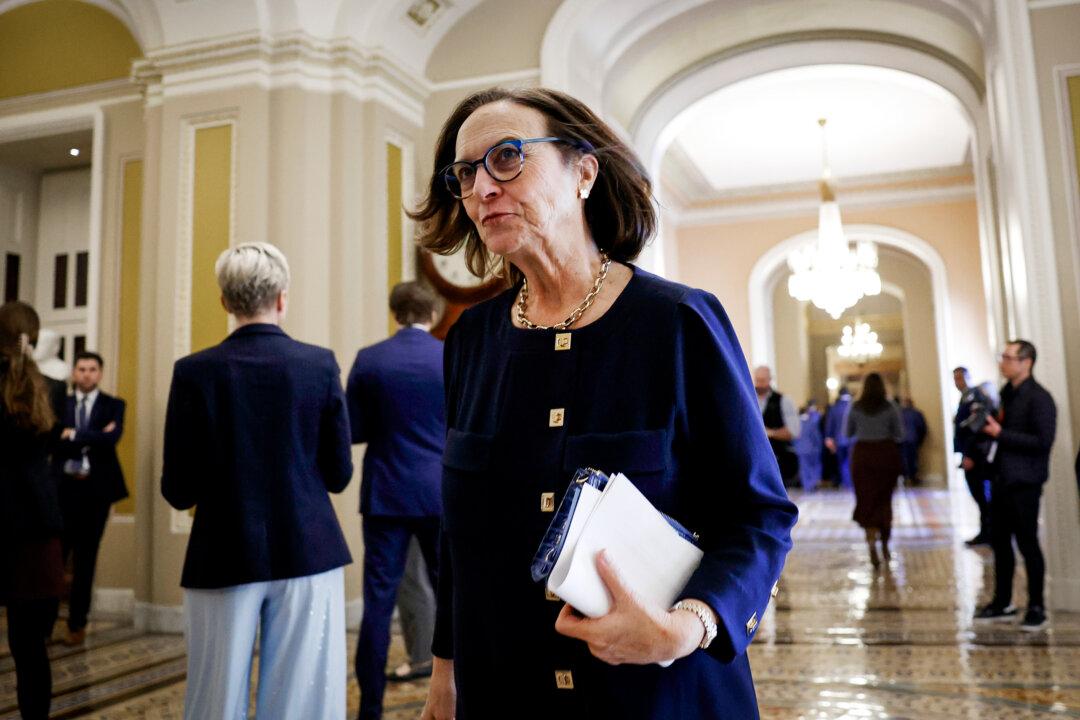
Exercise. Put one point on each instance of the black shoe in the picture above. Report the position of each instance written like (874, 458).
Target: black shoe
(995, 613)
(979, 539)
(406, 672)
(1034, 619)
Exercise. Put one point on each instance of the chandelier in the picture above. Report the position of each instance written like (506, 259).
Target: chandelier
(828, 272)
(860, 343)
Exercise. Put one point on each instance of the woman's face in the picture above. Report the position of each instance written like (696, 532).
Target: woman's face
(525, 213)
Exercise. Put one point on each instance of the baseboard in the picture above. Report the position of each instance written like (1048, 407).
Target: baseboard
(167, 619)
(114, 603)
(354, 609)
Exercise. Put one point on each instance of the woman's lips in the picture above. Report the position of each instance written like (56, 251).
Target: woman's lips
(494, 217)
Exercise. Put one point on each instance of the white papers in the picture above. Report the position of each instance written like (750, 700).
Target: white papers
(652, 558)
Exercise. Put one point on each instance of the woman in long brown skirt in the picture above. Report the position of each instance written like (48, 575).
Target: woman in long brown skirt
(875, 427)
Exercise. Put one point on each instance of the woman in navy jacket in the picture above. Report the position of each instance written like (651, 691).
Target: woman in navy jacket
(586, 361)
(256, 435)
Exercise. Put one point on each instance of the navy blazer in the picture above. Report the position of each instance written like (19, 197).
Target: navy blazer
(657, 388)
(256, 434)
(396, 406)
(1028, 419)
(106, 481)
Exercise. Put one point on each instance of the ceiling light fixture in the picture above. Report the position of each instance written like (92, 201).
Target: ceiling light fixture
(828, 272)
(860, 343)
(73, 152)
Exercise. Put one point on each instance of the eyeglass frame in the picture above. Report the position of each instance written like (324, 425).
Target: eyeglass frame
(1014, 358)
(519, 143)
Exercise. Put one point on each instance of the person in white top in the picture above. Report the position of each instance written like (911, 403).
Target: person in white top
(47, 356)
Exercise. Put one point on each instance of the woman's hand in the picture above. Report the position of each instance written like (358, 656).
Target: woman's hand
(632, 632)
(442, 693)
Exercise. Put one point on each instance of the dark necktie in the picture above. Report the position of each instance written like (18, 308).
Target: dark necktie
(80, 415)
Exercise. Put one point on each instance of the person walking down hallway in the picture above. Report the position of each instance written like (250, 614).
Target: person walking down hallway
(1024, 431)
(809, 446)
(256, 436)
(396, 406)
(876, 430)
(782, 423)
(90, 480)
(914, 435)
(31, 569)
(836, 439)
(974, 447)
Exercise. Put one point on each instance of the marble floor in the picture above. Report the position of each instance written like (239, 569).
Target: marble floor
(842, 642)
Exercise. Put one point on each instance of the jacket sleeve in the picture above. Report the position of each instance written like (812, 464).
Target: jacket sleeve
(186, 441)
(1038, 437)
(104, 438)
(734, 492)
(357, 402)
(335, 448)
(442, 644)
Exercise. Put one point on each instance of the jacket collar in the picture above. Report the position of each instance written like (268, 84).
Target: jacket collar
(257, 329)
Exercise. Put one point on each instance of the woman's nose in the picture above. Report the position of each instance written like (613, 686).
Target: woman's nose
(484, 185)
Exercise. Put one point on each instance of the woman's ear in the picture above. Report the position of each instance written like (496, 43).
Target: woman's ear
(588, 169)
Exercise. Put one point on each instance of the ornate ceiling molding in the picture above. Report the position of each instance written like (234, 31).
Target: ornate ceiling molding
(290, 60)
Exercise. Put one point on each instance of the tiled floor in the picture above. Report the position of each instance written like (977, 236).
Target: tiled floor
(843, 642)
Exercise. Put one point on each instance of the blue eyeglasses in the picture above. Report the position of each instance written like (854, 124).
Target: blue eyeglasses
(503, 163)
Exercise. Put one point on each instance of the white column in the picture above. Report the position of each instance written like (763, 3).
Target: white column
(1029, 248)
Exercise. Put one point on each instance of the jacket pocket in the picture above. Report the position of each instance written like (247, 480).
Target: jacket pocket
(467, 491)
(644, 456)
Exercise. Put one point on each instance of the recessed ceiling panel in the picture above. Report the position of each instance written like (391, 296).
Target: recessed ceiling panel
(764, 131)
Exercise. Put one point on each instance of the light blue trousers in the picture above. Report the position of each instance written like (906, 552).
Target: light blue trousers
(301, 628)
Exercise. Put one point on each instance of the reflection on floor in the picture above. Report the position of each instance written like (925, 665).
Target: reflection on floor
(842, 643)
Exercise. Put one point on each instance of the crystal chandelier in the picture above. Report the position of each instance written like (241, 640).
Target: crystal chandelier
(860, 343)
(828, 272)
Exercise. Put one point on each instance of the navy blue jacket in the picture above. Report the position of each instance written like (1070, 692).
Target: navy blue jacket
(834, 421)
(657, 388)
(396, 406)
(1028, 419)
(256, 433)
(106, 481)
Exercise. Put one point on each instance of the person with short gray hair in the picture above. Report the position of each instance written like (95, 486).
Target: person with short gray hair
(251, 277)
(257, 436)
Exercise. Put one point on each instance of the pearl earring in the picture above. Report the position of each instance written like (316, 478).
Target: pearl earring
(583, 193)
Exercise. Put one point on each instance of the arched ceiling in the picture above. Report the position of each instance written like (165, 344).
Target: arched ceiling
(763, 132)
(617, 54)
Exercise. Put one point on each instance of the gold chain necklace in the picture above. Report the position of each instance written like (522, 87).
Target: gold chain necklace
(575, 315)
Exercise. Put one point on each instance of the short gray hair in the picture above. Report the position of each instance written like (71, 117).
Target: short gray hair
(251, 276)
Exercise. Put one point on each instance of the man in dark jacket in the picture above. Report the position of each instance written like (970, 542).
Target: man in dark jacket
(91, 480)
(1024, 433)
(396, 406)
(973, 446)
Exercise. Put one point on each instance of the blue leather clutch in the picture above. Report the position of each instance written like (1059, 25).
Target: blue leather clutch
(551, 546)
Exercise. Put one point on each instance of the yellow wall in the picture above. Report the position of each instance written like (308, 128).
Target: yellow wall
(210, 233)
(127, 362)
(55, 44)
(394, 240)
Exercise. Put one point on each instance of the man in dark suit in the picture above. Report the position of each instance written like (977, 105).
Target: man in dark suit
(91, 480)
(1024, 433)
(396, 406)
